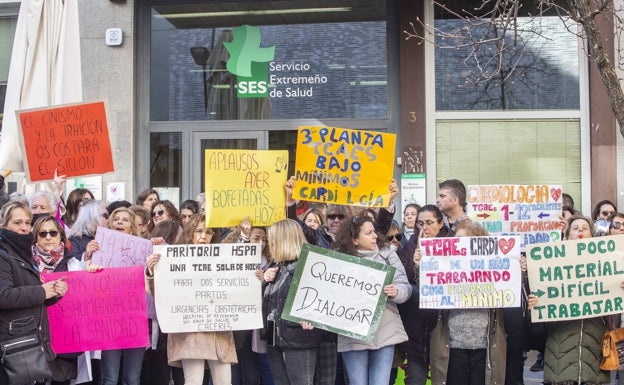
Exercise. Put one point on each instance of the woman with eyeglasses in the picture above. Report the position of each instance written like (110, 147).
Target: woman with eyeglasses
(192, 351)
(82, 234)
(23, 297)
(417, 322)
(616, 226)
(164, 211)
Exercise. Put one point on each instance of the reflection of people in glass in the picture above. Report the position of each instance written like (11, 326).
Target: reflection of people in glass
(222, 102)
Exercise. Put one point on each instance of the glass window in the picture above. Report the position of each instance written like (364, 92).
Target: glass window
(7, 35)
(510, 152)
(165, 159)
(316, 61)
(539, 66)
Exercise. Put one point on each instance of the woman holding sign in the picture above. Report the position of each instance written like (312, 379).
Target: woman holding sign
(192, 351)
(23, 298)
(292, 350)
(573, 348)
(370, 363)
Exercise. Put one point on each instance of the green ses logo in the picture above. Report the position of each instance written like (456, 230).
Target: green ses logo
(249, 62)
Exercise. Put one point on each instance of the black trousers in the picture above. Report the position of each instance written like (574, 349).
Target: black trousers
(466, 367)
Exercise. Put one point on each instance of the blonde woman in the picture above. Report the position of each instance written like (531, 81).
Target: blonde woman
(292, 357)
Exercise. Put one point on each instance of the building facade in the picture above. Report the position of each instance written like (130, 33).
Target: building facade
(170, 94)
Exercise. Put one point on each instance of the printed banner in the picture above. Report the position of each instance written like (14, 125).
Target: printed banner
(470, 272)
(338, 292)
(577, 279)
(241, 183)
(202, 288)
(530, 211)
(413, 189)
(101, 311)
(344, 166)
(71, 138)
(118, 249)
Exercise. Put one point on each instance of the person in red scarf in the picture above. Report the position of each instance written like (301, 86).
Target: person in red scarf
(49, 249)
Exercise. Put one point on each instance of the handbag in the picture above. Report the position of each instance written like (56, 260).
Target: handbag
(25, 359)
(612, 347)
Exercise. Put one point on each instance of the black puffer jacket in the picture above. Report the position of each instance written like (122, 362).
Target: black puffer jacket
(290, 335)
(21, 293)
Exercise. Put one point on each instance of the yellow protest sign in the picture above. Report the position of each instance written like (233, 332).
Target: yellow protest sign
(344, 166)
(242, 183)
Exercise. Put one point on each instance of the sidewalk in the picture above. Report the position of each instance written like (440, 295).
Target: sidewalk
(532, 378)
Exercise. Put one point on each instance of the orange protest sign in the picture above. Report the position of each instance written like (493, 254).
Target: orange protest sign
(71, 138)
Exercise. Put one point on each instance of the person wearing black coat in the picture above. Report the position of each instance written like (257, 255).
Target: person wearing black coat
(22, 295)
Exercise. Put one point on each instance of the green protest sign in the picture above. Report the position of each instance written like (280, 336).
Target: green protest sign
(338, 292)
(576, 279)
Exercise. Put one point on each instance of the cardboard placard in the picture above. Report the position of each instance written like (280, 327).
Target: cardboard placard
(73, 139)
(344, 166)
(338, 292)
(529, 211)
(242, 183)
(101, 311)
(577, 279)
(208, 287)
(470, 272)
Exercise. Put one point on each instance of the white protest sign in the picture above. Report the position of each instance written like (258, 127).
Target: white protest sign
(470, 272)
(338, 292)
(577, 279)
(208, 287)
(530, 211)
(118, 249)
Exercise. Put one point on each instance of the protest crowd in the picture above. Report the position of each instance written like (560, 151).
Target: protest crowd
(47, 233)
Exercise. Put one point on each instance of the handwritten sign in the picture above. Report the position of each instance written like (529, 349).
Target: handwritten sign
(71, 138)
(242, 183)
(208, 287)
(338, 292)
(470, 272)
(344, 166)
(577, 279)
(530, 211)
(118, 249)
(101, 311)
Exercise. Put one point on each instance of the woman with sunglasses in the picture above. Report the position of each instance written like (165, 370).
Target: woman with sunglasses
(51, 255)
(394, 236)
(192, 351)
(164, 211)
(23, 297)
(418, 323)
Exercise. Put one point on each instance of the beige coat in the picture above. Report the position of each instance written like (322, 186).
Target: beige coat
(213, 346)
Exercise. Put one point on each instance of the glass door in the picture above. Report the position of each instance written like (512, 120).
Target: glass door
(238, 140)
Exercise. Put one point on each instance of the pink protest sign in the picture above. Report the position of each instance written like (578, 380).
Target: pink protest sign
(118, 249)
(101, 311)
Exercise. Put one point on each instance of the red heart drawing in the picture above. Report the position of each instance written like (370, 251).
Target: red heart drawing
(555, 193)
(506, 245)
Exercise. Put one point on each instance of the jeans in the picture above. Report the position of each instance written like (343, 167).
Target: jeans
(128, 361)
(417, 370)
(369, 367)
(292, 366)
(466, 367)
(265, 369)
